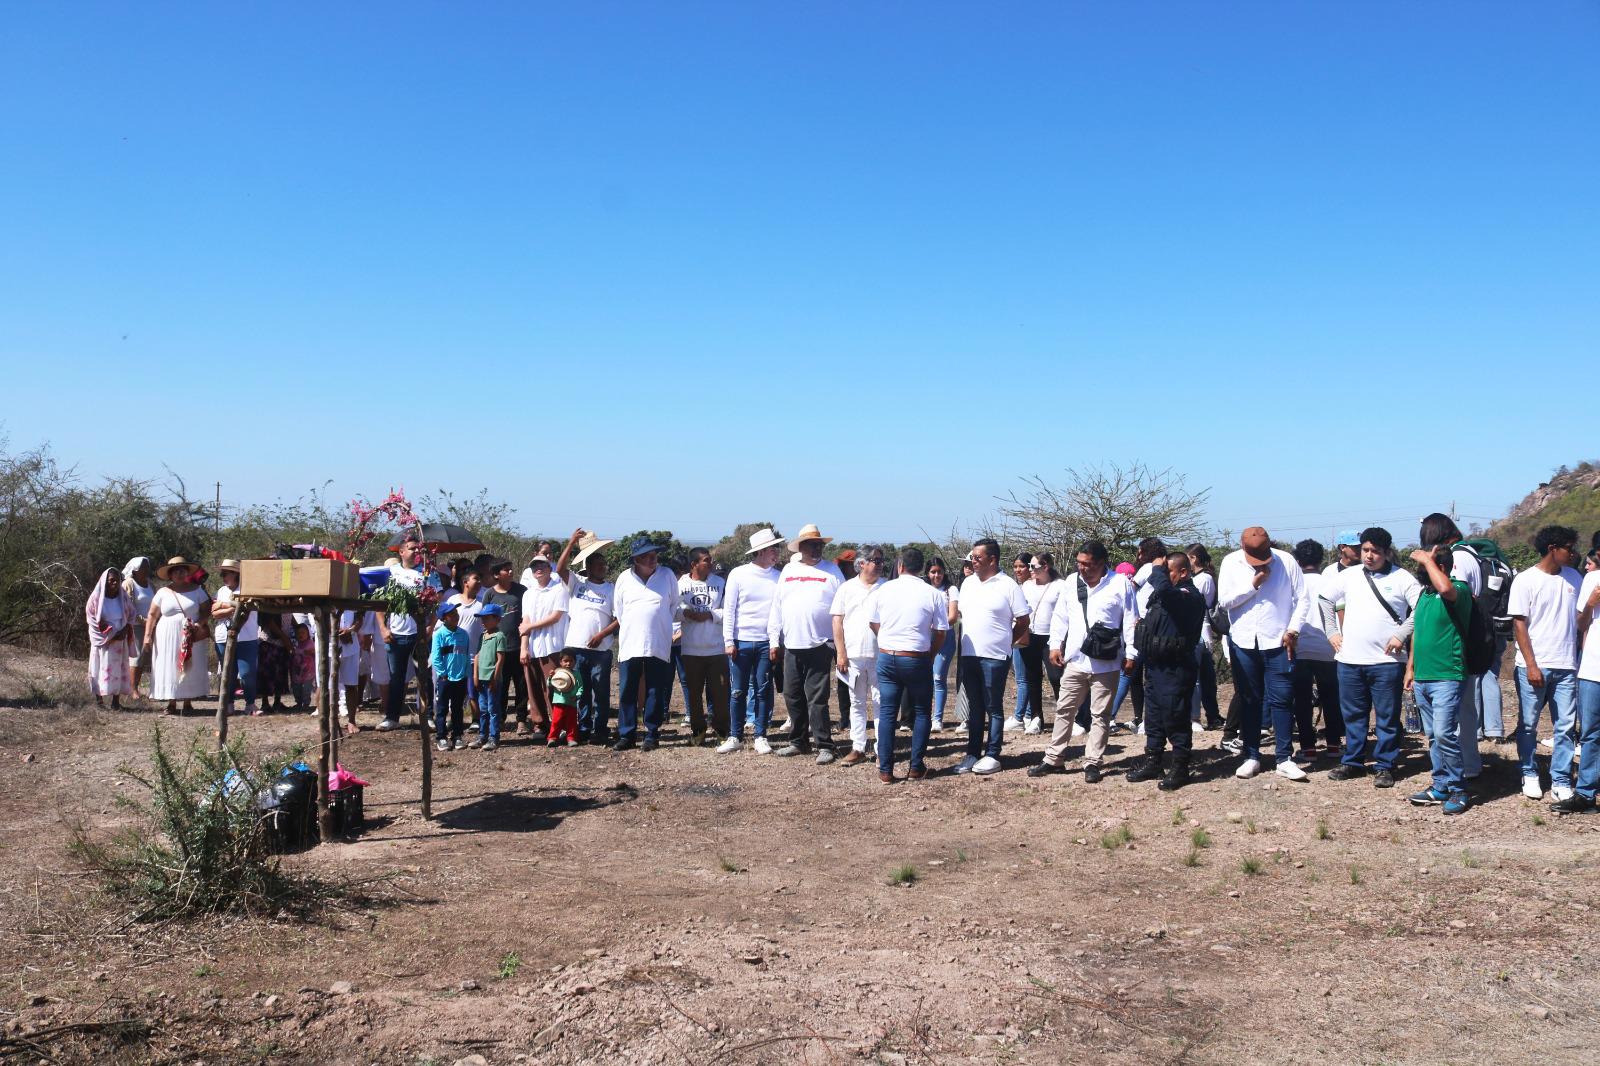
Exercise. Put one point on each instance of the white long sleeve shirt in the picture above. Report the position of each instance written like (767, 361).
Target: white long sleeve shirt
(1111, 603)
(802, 608)
(645, 612)
(747, 602)
(1258, 618)
(702, 638)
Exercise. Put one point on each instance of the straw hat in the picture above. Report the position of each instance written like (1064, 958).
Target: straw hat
(164, 572)
(809, 531)
(588, 544)
(227, 565)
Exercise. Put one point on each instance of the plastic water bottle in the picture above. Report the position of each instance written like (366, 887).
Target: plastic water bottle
(1412, 715)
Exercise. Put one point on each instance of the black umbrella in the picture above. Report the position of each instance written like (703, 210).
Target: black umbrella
(444, 537)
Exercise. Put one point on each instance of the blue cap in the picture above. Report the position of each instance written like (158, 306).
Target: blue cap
(490, 610)
(446, 608)
(641, 546)
(1352, 537)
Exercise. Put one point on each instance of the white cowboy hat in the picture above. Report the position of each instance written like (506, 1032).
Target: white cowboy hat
(763, 538)
(809, 531)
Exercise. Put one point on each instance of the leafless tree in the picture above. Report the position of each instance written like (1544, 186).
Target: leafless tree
(1118, 505)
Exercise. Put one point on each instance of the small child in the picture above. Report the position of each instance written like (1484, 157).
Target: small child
(451, 661)
(489, 668)
(565, 689)
(302, 666)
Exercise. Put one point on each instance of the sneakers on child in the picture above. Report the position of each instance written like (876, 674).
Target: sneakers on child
(443, 745)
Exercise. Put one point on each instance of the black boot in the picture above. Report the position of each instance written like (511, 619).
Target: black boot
(1146, 769)
(1177, 775)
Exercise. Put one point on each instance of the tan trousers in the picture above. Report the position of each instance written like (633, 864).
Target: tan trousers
(1101, 690)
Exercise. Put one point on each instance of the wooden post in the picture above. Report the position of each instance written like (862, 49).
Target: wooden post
(334, 725)
(422, 731)
(327, 619)
(229, 653)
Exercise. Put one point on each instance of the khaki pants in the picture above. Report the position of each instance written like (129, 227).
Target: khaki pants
(705, 680)
(1101, 689)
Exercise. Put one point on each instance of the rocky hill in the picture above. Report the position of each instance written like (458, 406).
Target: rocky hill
(1570, 498)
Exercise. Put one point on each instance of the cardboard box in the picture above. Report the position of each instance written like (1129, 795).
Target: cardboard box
(298, 577)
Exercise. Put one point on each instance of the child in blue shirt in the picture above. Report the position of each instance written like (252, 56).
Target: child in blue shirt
(451, 659)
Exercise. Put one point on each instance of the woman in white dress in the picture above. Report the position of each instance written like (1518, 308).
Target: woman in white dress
(136, 587)
(176, 631)
(109, 614)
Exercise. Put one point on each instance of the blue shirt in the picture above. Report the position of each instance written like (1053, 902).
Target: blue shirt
(452, 652)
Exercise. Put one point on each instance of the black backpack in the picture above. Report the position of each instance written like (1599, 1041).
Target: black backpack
(1495, 576)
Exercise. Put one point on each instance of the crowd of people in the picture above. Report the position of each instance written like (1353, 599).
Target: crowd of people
(1359, 637)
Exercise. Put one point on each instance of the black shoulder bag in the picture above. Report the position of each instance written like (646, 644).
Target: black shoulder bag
(1101, 641)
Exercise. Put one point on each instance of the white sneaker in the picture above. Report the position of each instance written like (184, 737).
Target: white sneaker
(1140, 730)
(1560, 792)
(1078, 731)
(1248, 768)
(936, 726)
(1290, 770)
(1032, 726)
(1531, 789)
(986, 765)
(1012, 725)
(729, 745)
(443, 745)
(388, 724)
(762, 747)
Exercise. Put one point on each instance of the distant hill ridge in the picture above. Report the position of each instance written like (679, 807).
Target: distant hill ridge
(1570, 498)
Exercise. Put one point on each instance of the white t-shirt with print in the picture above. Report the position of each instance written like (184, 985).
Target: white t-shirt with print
(988, 611)
(1549, 602)
(589, 610)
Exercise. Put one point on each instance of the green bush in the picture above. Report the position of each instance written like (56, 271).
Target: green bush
(198, 845)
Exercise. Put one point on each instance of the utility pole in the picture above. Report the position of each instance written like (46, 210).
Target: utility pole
(216, 516)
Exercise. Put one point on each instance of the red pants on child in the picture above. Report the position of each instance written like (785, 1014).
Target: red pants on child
(563, 719)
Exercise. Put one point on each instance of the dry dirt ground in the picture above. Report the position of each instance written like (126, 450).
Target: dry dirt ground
(577, 905)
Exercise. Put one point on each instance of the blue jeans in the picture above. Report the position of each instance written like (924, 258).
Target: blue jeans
(912, 675)
(448, 700)
(1439, 703)
(941, 671)
(1027, 699)
(1371, 692)
(594, 706)
(984, 682)
(245, 656)
(1491, 715)
(750, 677)
(1588, 738)
(1560, 691)
(398, 652)
(657, 674)
(488, 712)
(1263, 678)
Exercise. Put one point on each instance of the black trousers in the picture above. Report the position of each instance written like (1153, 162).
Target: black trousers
(513, 677)
(1168, 690)
(1325, 677)
(806, 676)
(1208, 685)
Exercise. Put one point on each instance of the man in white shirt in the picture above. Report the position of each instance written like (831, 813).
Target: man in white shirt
(856, 645)
(1544, 618)
(1261, 589)
(1315, 673)
(543, 633)
(647, 605)
(1091, 637)
(994, 620)
(746, 609)
(591, 631)
(909, 617)
(1583, 798)
(1366, 612)
(705, 665)
(801, 622)
(246, 646)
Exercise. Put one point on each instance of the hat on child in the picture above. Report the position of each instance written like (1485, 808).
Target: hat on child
(446, 608)
(490, 610)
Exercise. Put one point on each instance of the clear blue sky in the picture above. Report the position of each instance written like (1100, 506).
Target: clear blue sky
(685, 265)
